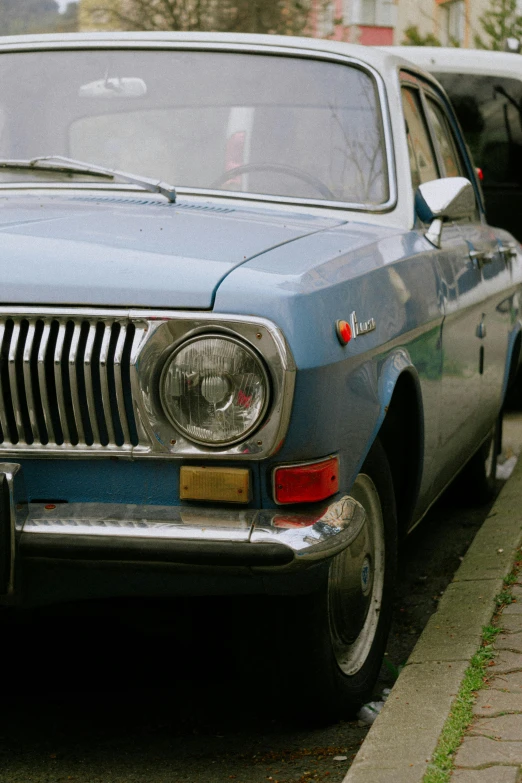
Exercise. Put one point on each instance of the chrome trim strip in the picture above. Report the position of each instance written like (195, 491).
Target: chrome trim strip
(58, 380)
(311, 536)
(104, 379)
(135, 521)
(42, 350)
(28, 351)
(142, 407)
(3, 417)
(81, 451)
(120, 400)
(73, 381)
(17, 514)
(254, 48)
(89, 387)
(11, 359)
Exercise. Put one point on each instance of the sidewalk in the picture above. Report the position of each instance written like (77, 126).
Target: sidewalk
(400, 744)
(495, 737)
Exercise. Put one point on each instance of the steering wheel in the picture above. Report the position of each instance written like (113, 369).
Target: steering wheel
(246, 168)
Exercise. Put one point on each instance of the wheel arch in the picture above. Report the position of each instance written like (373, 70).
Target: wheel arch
(401, 432)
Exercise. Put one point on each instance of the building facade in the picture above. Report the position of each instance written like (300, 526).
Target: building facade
(384, 22)
(369, 22)
(452, 22)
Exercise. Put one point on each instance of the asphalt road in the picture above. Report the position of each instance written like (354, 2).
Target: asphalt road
(184, 691)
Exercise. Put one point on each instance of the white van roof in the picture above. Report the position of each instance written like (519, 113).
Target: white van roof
(454, 60)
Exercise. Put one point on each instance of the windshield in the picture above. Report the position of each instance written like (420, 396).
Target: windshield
(263, 124)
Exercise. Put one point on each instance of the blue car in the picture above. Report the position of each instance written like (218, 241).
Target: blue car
(252, 324)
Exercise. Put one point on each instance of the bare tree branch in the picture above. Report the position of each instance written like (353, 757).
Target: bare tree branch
(255, 16)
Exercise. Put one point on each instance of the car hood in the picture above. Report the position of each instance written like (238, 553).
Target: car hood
(131, 252)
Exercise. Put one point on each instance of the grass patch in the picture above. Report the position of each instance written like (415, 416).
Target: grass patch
(462, 710)
(461, 714)
(503, 599)
(489, 634)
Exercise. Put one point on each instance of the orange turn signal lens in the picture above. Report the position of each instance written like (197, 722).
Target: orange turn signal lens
(344, 331)
(225, 485)
(306, 483)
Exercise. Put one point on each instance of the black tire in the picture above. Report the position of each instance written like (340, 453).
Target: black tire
(477, 483)
(513, 401)
(333, 640)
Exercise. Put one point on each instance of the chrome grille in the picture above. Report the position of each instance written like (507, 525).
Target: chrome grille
(65, 381)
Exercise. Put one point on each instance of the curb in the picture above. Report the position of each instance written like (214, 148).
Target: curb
(399, 745)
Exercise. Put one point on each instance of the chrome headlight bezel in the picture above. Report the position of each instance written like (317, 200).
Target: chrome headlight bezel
(244, 346)
(160, 334)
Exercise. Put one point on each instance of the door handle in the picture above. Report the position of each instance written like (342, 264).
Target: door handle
(509, 251)
(481, 328)
(480, 258)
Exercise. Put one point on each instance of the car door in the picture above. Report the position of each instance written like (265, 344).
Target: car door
(486, 344)
(460, 303)
(424, 167)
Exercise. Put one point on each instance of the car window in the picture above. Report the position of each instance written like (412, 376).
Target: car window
(489, 109)
(422, 158)
(443, 135)
(265, 124)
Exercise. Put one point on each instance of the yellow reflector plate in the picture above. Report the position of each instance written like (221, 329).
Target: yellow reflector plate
(228, 485)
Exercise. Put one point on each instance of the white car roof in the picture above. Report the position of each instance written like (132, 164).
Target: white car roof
(380, 58)
(454, 60)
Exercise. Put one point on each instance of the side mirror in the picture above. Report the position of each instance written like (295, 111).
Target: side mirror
(450, 198)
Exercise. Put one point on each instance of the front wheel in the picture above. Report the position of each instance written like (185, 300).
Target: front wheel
(338, 634)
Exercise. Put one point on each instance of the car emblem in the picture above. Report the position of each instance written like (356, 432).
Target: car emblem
(345, 331)
(361, 327)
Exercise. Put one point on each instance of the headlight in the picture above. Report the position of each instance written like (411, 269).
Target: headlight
(214, 389)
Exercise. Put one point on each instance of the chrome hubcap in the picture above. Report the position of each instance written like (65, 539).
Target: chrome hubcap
(356, 584)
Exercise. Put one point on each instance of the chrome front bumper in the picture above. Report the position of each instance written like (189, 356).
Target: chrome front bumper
(258, 538)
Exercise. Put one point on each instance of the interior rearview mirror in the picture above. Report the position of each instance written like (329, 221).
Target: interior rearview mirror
(114, 87)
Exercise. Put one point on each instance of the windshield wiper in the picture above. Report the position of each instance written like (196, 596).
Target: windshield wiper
(70, 166)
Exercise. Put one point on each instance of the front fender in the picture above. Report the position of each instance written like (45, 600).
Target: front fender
(393, 367)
